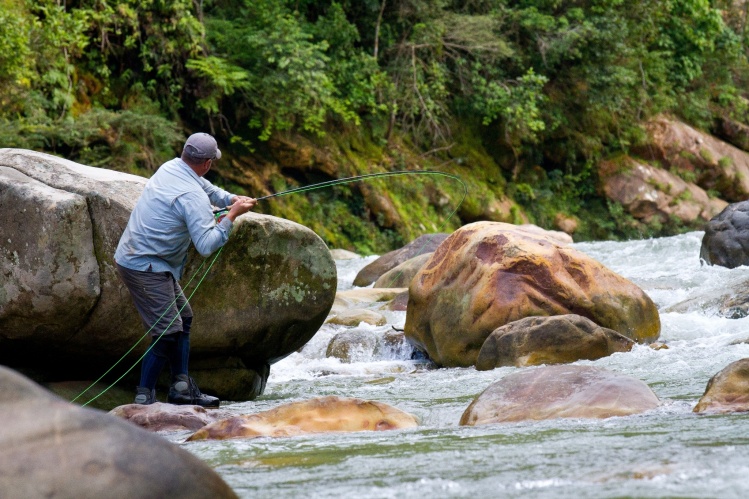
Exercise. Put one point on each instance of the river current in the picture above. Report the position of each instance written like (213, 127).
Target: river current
(666, 452)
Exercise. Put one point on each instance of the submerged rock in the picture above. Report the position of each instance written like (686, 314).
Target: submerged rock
(486, 275)
(567, 391)
(549, 340)
(726, 239)
(727, 391)
(423, 244)
(354, 346)
(168, 417)
(730, 301)
(51, 448)
(325, 414)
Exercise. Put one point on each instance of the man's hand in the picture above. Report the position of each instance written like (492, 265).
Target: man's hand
(240, 205)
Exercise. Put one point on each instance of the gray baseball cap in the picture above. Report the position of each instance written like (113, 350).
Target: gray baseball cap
(202, 145)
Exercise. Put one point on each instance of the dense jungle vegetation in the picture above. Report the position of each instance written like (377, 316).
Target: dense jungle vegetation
(521, 98)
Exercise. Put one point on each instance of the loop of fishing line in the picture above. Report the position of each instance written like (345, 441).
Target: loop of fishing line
(296, 190)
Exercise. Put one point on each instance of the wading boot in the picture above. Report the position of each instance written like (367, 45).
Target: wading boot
(184, 391)
(144, 396)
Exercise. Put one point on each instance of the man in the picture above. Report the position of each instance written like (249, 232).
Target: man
(174, 208)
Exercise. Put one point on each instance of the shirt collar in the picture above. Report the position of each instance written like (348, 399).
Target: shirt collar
(189, 170)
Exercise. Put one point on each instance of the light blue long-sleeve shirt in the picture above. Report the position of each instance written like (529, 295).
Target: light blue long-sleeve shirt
(174, 208)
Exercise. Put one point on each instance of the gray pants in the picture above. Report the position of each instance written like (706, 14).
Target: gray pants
(158, 298)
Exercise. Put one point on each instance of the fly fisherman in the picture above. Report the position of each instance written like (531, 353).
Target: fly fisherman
(174, 208)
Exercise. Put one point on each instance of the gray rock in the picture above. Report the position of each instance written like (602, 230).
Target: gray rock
(353, 346)
(726, 239)
(50, 448)
(62, 306)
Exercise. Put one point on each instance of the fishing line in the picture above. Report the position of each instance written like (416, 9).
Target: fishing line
(358, 178)
(321, 185)
(141, 338)
(160, 335)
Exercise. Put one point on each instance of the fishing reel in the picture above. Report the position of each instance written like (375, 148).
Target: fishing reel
(220, 213)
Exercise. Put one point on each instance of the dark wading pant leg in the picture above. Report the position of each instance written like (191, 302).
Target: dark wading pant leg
(167, 315)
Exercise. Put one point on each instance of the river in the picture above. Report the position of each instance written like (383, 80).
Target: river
(666, 452)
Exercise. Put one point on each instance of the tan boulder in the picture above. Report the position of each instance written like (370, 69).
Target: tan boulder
(357, 298)
(488, 274)
(727, 391)
(549, 340)
(355, 316)
(51, 448)
(716, 165)
(342, 254)
(325, 414)
(649, 193)
(565, 391)
(400, 276)
(168, 417)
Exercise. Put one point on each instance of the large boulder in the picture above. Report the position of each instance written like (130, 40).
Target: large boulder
(317, 415)
(63, 257)
(726, 239)
(549, 340)
(566, 391)
(488, 274)
(649, 193)
(727, 391)
(64, 310)
(50, 448)
(423, 244)
(714, 164)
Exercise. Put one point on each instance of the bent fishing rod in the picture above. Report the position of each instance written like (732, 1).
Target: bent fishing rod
(222, 212)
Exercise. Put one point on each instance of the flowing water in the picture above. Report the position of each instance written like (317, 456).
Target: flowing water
(667, 452)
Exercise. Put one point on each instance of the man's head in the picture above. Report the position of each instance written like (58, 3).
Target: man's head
(199, 152)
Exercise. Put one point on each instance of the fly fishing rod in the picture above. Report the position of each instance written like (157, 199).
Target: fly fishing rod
(219, 214)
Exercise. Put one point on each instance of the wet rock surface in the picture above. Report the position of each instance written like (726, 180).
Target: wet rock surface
(317, 415)
(51, 448)
(726, 239)
(488, 274)
(549, 340)
(560, 392)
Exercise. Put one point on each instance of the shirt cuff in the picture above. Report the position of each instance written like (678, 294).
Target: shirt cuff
(226, 223)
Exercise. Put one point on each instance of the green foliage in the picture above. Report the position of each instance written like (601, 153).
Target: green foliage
(548, 87)
(289, 79)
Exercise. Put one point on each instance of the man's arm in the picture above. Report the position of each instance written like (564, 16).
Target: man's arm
(206, 234)
(218, 196)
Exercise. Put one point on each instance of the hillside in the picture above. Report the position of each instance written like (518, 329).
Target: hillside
(548, 111)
